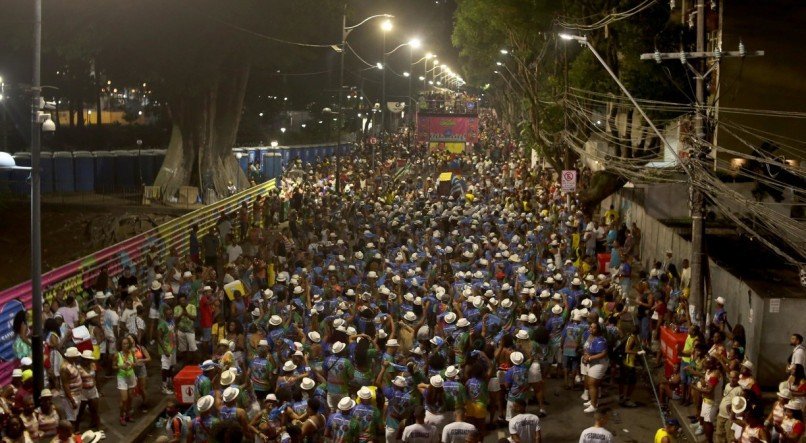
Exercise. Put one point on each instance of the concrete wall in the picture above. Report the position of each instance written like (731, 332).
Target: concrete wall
(767, 332)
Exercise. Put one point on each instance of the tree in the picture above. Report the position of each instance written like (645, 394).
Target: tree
(539, 68)
(196, 57)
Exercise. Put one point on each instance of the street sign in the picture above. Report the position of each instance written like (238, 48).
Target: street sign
(569, 180)
(373, 141)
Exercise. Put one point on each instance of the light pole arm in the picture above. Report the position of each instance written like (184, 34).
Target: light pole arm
(350, 28)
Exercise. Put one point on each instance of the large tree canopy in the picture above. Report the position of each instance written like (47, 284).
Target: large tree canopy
(532, 78)
(195, 57)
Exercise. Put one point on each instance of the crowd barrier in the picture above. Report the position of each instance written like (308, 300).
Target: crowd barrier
(81, 274)
(104, 172)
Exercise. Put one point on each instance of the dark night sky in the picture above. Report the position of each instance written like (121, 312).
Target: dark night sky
(774, 81)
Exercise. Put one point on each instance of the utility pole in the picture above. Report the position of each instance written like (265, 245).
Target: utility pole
(36, 238)
(344, 33)
(698, 63)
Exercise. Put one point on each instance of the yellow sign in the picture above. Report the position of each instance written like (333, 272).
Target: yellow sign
(452, 147)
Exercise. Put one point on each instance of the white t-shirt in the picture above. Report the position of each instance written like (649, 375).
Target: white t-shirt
(595, 434)
(525, 426)
(457, 432)
(110, 323)
(233, 252)
(418, 433)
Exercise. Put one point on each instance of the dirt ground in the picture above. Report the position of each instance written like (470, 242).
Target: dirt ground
(69, 231)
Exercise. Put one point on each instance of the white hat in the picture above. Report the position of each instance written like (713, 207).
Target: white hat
(131, 289)
(307, 384)
(155, 285)
(289, 366)
(557, 309)
(522, 334)
(392, 343)
(576, 281)
(558, 277)
(594, 289)
(516, 358)
(589, 278)
(271, 397)
(207, 288)
(263, 343)
(87, 354)
(450, 317)
(168, 296)
(785, 393)
(400, 381)
(437, 381)
(478, 302)
(298, 290)
(16, 373)
(550, 281)
(409, 316)
(505, 303)
(587, 303)
(230, 394)
(557, 296)
(451, 372)
(72, 352)
(738, 404)
(187, 274)
(256, 312)
(275, 320)
(338, 347)
(720, 300)
(462, 323)
(46, 393)
(506, 287)
(364, 393)
(314, 336)
(346, 403)
(100, 295)
(532, 318)
(795, 405)
(372, 274)
(227, 378)
(92, 314)
(92, 436)
(748, 364)
(205, 403)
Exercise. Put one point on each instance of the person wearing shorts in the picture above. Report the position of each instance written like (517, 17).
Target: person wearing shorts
(594, 365)
(707, 387)
(185, 318)
(123, 363)
(166, 345)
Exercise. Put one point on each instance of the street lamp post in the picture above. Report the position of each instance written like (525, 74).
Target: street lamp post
(345, 32)
(36, 238)
(386, 26)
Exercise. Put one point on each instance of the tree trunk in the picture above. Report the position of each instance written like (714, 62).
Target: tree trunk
(204, 127)
(602, 185)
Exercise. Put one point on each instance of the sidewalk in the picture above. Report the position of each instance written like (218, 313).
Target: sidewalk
(143, 422)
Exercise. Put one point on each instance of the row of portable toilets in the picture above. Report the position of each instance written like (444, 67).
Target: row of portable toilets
(66, 172)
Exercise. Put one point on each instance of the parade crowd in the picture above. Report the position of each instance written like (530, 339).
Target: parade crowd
(394, 312)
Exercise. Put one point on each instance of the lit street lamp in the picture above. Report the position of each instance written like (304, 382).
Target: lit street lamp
(345, 32)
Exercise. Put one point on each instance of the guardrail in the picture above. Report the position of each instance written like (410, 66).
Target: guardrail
(82, 273)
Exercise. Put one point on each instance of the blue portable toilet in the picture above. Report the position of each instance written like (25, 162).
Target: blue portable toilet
(63, 172)
(19, 178)
(104, 171)
(84, 171)
(252, 152)
(266, 166)
(126, 171)
(149, 167)
(285, 154)
(46, 163)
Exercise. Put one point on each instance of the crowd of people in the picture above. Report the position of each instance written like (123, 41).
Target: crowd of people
(449, 102)
(393, 312)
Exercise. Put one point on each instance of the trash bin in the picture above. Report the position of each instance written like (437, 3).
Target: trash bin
(46, 168)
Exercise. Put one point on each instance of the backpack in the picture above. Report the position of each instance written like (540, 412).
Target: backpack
(185, 423)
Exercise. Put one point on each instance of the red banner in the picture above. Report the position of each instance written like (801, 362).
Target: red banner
(447, 128)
